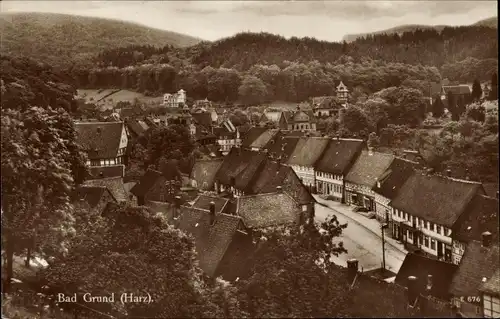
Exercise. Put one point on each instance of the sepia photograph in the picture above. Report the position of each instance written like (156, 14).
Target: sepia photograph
(249, 159)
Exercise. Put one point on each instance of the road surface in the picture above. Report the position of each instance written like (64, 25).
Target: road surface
(362, 243)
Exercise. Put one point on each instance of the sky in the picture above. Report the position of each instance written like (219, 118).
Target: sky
(324, 20)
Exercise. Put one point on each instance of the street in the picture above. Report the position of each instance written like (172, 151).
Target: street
(362, 243)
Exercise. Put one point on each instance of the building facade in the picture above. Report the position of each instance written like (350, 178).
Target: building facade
(175, 99)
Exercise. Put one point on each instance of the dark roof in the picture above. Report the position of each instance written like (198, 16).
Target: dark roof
(203, 202)
(146, 182)
(99, 139)
(135, 127)
(394, 178)
(492, 285)
(477, 263)
(114, 184)
(457, 89)
(243, 180)
(331, 103)
(211, 241)
(107, 171)
(307, 151)
(266, 210)
(282, 146)
(204, 172)
(236, 162)
(130, 112)
(368, 168)
(491, 189)
(251, 135)
(92, 195)
(437, 199)
(339, 156)
(480, 215)
(203, 118)
(420, 267)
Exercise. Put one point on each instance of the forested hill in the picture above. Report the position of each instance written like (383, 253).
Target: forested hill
(490, 22)
(60, 39)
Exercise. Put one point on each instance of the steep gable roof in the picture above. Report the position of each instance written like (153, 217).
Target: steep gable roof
(263, 139)
(339, 156)
(368, 168)
(92, 195)
(492, 285)
(477, 263)
(146, 182)
(211, 241)
(437, 199)
(282, 146)
(420, 267)
(204, 119)
(204, 172)
(114, 184)
(135, 127)
(307, 151)
(99, 139)
(235, 163)
(394, 178)
(481, 215)
(266, 210)
(203, 202)
(251, 135)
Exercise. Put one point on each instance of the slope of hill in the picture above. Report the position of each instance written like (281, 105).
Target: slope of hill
(60, 39)
(490, 22)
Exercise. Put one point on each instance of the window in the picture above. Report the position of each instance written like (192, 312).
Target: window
(426, 241)
(491, 306)
(399, 213)
(431, 226)
(422, 223)
(433, 244)
(404, 215)
(410, 235)
(438, 229)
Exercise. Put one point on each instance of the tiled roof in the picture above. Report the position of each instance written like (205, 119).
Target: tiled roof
(491, 189)
(263, 139)
(437, 199)
(266, 210)
(477, 263)
(107, 171)
(317, 100)
(146, 182)
(135, 127)
(251, 135)
(282, 146)
(368, 168)
(235, 163)
(395, 176)
(99, 139)
(211, 241)
(204, 173)
(307, 151)
(204, 119)
(114, 184)
(492, 285)
(481, 215)
(244, 179)
(330, 103)
(203, 202)
(420, 266)
(339, 156)
(91, 194)
(457, 89)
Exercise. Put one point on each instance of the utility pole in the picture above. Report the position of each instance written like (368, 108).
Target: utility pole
(383, 227)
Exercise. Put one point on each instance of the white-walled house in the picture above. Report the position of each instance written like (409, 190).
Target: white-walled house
(228, 136)
(307, 152)
(363, 176)
(426, 209)
(334, 164)
(104, 142)
(175, 99)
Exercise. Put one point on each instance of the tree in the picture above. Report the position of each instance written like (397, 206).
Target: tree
(406, 105)
(494, 87)
(354, 121)
(452, 106)
(376, 110)
(40, 162)
(252, 91)
(437, 107)
(292, 274)
(132, 250)
(476, 112)
(477, 92)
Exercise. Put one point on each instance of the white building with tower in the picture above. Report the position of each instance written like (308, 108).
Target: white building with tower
(175, 99)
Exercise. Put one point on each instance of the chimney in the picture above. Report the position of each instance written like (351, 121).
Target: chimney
(279, 189)
(101, 175)
(412, 290)
(232, 181)
(352, 270)
(486, 236)
(448, 172)
(212, 213)
(404, 156)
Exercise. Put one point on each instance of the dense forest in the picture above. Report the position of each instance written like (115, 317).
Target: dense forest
(296, 69)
